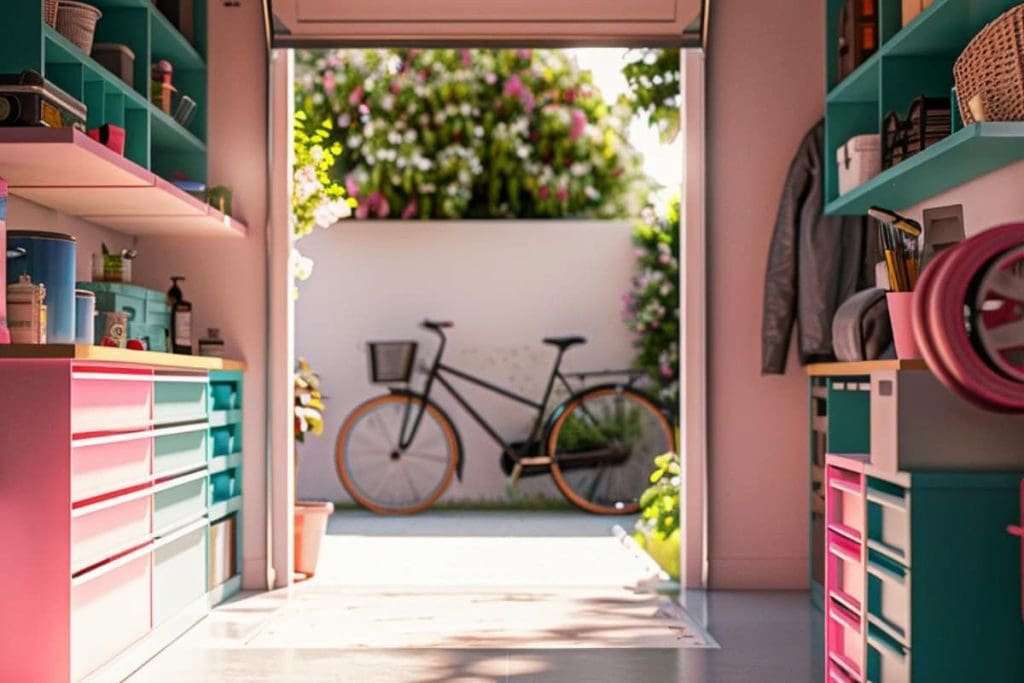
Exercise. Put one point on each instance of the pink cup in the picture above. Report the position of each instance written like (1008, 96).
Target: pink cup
(901, 315)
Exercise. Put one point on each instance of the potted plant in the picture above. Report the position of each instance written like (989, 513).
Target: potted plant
(310, 516)
(657, 531)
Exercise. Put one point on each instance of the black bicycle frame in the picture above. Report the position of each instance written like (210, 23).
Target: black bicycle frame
(435, 373)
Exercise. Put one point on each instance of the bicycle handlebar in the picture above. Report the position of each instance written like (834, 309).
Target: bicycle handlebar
(436, 325)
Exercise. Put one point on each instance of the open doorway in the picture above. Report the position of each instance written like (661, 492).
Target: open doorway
(598, 183)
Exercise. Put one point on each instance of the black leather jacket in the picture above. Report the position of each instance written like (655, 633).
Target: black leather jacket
(814, 264)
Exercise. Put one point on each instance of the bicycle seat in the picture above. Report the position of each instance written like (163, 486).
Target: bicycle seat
(437, 324)
(565, 342)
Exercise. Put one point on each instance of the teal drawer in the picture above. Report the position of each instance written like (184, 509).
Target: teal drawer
(888, 513)
(179, 501)
(225, 395)
(181, 400)
(887, 660)
(225, 440)
(176, 452)
(888, 596)
(225, 485)
(154, 336)
(179, 572)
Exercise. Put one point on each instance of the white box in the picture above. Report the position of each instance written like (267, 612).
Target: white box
(859, 160)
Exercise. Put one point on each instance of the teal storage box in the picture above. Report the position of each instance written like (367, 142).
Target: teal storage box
(149, 317)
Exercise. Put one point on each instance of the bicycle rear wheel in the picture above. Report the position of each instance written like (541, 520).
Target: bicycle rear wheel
(603, 446)
(381, 476)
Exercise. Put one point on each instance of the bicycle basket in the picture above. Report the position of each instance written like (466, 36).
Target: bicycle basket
(391, 362)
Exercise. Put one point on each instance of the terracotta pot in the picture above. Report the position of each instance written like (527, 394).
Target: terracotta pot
(310, 528)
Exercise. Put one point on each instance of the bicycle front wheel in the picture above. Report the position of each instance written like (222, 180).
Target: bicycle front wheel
(603, 446)
(379, 474)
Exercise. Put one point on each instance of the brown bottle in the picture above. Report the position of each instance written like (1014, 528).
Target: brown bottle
(181, 318)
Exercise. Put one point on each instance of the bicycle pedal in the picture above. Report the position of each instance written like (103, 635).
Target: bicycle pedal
(517, 471)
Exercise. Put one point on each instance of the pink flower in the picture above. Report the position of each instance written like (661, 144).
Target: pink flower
(664, 259)
(543, 192)
(363, 210)
(667, 372)
(378, 204)
(525, 54)
(383, 208)
(410, 209)
(514, 86)
(351, 186)
(490, 78)
(356, 96)
(467, 58)
(577, 124)
(562, 194)
(396, 87)
(329, 82)
(570, 95)
(363, 109)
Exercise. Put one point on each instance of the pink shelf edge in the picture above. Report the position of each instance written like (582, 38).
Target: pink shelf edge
(70, 136)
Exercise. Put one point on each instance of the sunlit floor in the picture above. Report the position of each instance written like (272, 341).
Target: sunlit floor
(491, 596)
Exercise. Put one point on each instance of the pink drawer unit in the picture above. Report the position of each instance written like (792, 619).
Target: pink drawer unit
(844, 572)
(110, 610)
(103, 465)
(844, 641)
(836, 674)
(104, 401)
(107, 528)
(844, 502)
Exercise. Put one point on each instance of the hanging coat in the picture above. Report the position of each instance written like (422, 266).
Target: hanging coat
(815, 263)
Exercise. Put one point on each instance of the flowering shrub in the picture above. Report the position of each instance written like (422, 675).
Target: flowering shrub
(651, 308)
(309, 404)
(653, 75)
(316, 199)
(470, 133)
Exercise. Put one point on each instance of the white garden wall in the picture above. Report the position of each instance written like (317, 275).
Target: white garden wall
(506, 284)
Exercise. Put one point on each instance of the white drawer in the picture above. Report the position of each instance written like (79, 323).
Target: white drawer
(110, 610)
(110, 527)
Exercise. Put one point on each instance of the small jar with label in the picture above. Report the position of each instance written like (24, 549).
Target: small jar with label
(212, 345)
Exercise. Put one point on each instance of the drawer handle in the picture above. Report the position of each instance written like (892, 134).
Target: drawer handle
(145, 434)
(181, 379)
(1015, 530)
(200, 523)
(842, 553)
(885, 573)
(112, 565)
(180, 481)
(845, 486)
(884, 644)
(837, 616)
(84, 510)
(887, 500)
(112, 377)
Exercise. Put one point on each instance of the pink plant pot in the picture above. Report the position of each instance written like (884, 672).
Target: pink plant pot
(310, 528)
(901, 315)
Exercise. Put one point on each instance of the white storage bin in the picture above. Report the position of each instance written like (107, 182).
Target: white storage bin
(860, 160)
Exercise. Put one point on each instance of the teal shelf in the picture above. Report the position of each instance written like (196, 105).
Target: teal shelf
(62, 51)
(963, 156)
(169, 44)
(221, 463)
(861, 85)
(168, 134)
(913, 60)
(224, 508)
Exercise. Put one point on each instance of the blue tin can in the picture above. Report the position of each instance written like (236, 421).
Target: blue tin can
(49, 259)
(85, 314)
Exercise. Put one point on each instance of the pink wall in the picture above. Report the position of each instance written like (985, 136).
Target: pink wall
(765, 90)
(227, 276)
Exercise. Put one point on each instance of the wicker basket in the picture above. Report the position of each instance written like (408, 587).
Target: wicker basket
(990, 71)
(50, 12)
(76, 21)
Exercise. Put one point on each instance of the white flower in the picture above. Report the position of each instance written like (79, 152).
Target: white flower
(302, 266)
(591, 193)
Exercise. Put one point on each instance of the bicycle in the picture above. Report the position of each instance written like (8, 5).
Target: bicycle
(397, 453)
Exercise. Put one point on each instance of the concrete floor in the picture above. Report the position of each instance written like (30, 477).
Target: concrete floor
(492, 596)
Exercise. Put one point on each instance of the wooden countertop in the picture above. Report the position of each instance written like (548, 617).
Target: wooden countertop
(863, 367)
(116, 355)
